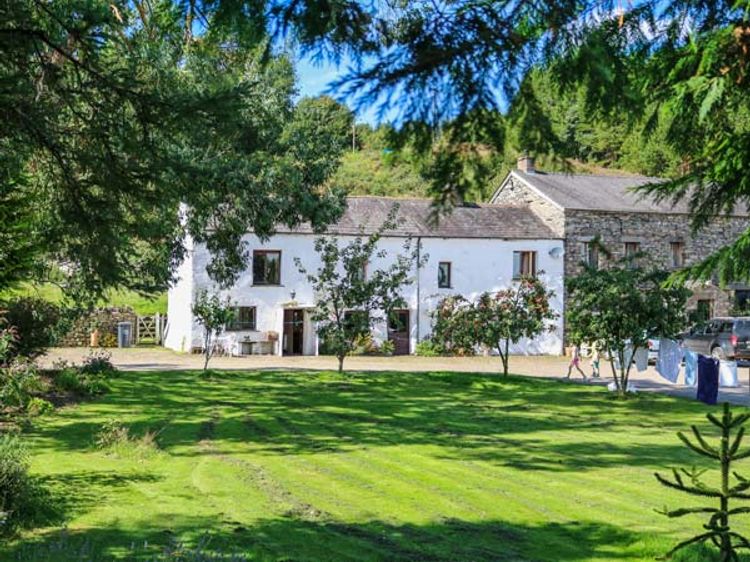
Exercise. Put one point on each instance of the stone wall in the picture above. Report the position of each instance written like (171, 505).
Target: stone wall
(516, 192)
(654, 233)
(106, 319)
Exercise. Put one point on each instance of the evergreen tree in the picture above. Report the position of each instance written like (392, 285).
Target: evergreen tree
(718, 529)
(115, 113)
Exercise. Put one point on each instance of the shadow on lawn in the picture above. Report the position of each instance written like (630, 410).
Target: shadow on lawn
(72, 493)
(511, 421)
(294, 539)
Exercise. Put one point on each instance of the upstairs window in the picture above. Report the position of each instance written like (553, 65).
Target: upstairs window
(444, 275)
(244, 319)
(524, 264)
(266, 267)
(678, 254)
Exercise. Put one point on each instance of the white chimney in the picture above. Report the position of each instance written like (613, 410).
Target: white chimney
(526, 163)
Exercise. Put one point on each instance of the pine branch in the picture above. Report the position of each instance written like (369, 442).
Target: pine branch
(704, 443)
(688, 542)
(736, 443)
(714, 420)
(686, 511)
(694, 491)
(697, 449)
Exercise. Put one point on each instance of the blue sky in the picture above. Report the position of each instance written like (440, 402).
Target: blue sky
(315, 78)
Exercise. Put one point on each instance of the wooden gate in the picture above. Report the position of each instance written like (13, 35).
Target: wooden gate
(150, 329)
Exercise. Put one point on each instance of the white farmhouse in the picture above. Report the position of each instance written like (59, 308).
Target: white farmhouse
(474, 249)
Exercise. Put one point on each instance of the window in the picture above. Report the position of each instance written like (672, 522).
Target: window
(266, 267)
(591, 254)
(444, 275)
(742, 300)
(631, 249)
(524, 264)
(244, 319)
(678, 254)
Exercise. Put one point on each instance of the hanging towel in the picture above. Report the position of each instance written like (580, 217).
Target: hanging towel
(628, 353)
(708, 379)
(728, 374)
(668, 363)
(691, 367)
(641, 359)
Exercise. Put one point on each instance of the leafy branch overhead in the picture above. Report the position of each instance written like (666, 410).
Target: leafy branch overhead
(116, 113)
(719, 531)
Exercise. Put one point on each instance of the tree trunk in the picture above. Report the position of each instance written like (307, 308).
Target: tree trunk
(506, 358)
(503, 359)
(726, 539)
(206, 350)
(341, 363)
(618, 386)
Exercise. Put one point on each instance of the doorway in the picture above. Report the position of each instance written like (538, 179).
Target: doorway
(398, 331)
(294, 331)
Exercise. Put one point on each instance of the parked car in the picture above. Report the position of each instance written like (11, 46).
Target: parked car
(722, 338)
(653, 350)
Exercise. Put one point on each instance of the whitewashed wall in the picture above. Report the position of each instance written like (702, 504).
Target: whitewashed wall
(179, 331)
(478, 265)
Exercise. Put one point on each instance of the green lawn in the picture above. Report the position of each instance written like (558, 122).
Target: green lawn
(140, 304)
(387, 466)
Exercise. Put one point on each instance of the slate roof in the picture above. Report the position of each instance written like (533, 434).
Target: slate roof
(599, 193)
(471, 221)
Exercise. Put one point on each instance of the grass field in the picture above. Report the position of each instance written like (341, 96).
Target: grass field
(140, 304)
(386, 466)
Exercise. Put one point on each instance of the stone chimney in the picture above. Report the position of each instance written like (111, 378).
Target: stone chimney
(526, 163)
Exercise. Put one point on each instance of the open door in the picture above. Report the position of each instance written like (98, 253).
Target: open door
(294, 331)
(398, 332)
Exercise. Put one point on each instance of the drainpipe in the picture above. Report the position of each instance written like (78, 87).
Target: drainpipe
(419, 300)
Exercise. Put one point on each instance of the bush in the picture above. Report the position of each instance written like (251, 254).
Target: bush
(37, 324)
(88, 379)
(70, 379)
(8, 339)
(116, 438)
(18, 383)
(39, 407)
(364, 345)
(98, 363)
(17, 502)
(427, 348)
(387, 347)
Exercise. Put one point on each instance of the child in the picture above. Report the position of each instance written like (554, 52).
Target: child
(595, 357)
(575, 361)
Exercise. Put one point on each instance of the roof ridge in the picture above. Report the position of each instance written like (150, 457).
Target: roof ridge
(542, 173)
(464, 205)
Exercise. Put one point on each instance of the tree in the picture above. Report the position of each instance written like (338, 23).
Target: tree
(116, 113)
(351, 297)
(718, 529)
(213, 314)
(678, 68)
(622, 307)
(504, 317)
(453, 326)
